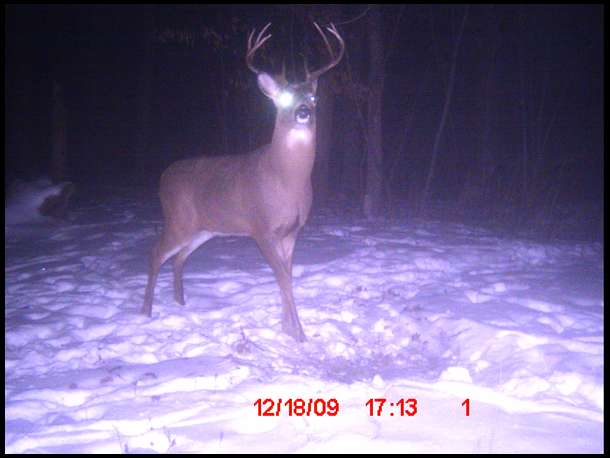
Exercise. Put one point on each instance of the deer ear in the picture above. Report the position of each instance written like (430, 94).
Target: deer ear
(268, 85)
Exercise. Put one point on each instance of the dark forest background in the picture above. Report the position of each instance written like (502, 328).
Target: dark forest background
(485, 113)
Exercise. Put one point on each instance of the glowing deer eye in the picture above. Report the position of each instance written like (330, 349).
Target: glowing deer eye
(285, 99)
(312, 98)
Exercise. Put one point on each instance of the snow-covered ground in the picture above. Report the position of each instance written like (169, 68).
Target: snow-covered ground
(495, 343)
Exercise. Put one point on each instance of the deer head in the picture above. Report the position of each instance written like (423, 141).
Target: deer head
(295, 103)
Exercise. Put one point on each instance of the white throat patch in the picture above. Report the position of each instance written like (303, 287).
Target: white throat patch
(298, 135)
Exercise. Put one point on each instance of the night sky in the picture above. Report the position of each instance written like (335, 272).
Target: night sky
(95, 53)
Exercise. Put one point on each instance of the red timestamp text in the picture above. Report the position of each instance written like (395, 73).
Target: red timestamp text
(297, 407)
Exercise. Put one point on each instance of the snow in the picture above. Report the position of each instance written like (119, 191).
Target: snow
(428, 311)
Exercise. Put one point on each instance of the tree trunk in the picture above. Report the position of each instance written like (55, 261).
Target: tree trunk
(374, 176)
(222, 100)
(441, 126)
(324, 138)
(144, 92)
(58, 158)
(349, 153)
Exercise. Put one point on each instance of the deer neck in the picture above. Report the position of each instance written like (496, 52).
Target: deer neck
(292, 152)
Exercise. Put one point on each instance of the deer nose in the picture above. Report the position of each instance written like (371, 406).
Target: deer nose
(302, 114)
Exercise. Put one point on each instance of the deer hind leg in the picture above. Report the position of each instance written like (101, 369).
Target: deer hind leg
(278, 253)
(163, 249)
(179, 259)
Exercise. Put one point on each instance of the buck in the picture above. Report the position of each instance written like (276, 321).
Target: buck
(265, 194)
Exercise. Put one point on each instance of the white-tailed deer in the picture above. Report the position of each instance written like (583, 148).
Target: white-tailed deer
(265, 194)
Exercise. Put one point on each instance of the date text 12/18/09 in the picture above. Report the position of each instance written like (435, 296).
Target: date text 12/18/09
(298, 407)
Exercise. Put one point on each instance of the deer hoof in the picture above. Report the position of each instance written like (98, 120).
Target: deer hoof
(296, 331)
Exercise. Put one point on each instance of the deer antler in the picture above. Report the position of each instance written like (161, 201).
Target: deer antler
(252, 48)
(334, 58)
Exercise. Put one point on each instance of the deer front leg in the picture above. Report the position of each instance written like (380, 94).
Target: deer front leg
(278, 253)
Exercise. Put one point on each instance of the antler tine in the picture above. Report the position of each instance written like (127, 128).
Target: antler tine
(330, 49)
(334, 58)
(252, 48)
(332, 29)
